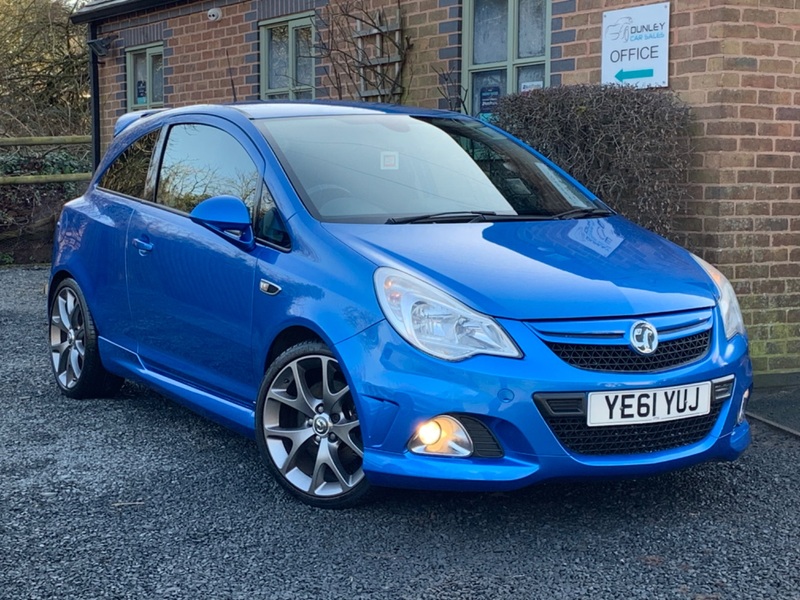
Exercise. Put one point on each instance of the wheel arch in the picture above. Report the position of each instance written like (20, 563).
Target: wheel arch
(72, 269)
(289, 337)
(55, 279)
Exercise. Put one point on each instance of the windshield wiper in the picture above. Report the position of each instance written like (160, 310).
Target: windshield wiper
(583, 212)
(445, 217)
(480, 216)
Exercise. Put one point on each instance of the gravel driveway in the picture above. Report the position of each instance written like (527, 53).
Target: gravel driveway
(136, 497)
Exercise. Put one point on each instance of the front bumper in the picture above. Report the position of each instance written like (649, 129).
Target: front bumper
(396, 388)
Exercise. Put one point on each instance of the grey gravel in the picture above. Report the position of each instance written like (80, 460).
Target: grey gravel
(136, 497)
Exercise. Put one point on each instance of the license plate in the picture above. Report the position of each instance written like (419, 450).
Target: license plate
(630, 407)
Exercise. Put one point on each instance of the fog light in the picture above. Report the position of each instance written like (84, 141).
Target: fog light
(743, 407)
(429, 433)
(442, 436)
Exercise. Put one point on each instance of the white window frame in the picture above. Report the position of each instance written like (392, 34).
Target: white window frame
(297, 21)
(149, 51)
(512, 62)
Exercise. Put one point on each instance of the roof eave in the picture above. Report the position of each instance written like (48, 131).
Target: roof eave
(100, 11)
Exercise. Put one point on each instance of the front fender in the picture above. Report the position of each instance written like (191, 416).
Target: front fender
(321, 285)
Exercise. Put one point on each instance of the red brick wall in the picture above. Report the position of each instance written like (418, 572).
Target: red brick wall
(196, 67)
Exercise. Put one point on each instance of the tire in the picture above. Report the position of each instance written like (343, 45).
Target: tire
(308, 431)
(74, 354)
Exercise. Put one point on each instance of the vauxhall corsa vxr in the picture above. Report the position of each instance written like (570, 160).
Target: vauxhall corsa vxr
(386, 296)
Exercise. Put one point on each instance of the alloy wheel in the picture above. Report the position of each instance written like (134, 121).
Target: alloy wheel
(67, 338)
(311, 429)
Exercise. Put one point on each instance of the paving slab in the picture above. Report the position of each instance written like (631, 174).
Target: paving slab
(777, 406)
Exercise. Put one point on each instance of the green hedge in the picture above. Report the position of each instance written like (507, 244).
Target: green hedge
(630, 147)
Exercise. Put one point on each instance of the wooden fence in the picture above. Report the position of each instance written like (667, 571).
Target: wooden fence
(65, 140)
(29, 240)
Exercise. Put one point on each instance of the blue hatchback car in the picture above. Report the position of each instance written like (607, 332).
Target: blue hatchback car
(386, 296)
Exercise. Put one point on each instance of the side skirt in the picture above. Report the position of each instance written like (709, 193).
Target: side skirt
(227, 413)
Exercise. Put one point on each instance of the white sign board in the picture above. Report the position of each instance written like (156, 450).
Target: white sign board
(635, 46)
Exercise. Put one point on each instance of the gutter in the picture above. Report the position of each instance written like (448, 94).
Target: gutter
(106, 9)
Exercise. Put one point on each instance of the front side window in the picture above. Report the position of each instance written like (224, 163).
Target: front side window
(388, 168)
(145, 77)
(506, 50)
(201, 161)
(288, 59)
(127, 175)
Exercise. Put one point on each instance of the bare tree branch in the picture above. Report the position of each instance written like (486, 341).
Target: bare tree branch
(451, 89)
(364, 53)
(43, 74)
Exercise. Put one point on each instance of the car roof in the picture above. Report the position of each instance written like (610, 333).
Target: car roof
(280, 109)
(266, 110)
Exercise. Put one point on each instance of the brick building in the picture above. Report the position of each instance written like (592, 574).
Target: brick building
(734, 61)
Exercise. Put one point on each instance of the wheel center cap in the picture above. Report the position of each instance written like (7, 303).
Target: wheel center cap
(321, 425)
(71, 337)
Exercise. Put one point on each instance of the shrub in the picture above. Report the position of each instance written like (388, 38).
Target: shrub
(630, 147)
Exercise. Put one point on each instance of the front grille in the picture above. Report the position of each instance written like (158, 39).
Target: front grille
(577, 436)
(623, 359)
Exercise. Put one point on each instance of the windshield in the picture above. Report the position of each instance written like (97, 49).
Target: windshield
(396, 168)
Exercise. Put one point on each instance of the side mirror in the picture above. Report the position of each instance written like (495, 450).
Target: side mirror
(228, 217)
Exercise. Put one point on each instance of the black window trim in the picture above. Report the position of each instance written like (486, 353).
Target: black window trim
(154, 168)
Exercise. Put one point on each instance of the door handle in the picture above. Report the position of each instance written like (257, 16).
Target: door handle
(142, 246)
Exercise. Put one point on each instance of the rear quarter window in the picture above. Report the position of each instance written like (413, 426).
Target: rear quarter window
(127, 175)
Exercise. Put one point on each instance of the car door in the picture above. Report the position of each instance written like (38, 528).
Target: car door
(190, 290)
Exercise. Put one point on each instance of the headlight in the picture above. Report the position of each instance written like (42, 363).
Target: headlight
(435, 322)
(728, 304)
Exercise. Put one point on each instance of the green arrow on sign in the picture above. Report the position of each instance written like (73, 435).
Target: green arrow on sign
(622, 75)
